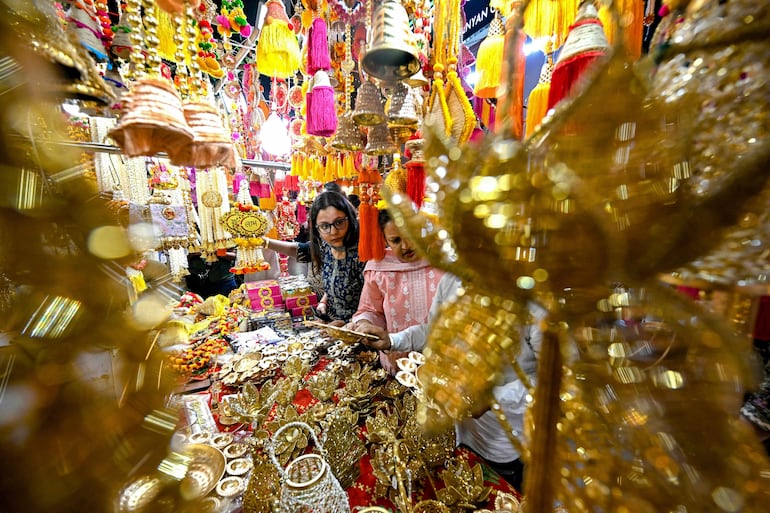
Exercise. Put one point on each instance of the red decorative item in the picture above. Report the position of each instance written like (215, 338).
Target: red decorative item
(586, 43)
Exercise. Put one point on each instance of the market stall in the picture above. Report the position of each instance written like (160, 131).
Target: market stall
(154, 147)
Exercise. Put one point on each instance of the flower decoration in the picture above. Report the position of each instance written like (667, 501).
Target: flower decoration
(232, 19)
(207, 59)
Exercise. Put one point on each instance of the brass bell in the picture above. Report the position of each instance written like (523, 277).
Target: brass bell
(393, 54)
(369, 110)
(401, 111)
(417, 80)
(348, 136)
(379, 142)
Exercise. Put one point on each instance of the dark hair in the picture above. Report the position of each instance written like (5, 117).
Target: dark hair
(325, 200)
(383, 218)
(354, 200)
(332, 186)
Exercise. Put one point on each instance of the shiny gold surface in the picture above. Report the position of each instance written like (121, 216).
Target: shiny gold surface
(206, 469)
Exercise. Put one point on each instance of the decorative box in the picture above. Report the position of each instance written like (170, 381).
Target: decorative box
(266, 302)
(261, 289)
(302, 311)
(294, 302)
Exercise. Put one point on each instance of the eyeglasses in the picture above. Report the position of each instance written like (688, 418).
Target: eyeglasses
(337, 224)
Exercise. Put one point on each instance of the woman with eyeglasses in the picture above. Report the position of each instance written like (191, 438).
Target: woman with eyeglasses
(333, 252)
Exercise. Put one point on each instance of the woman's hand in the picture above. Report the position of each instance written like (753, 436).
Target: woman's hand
(383, 339)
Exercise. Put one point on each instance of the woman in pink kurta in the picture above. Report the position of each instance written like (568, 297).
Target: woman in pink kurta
(398, 289)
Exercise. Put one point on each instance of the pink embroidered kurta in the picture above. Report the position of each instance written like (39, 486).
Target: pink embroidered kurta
(397, 294)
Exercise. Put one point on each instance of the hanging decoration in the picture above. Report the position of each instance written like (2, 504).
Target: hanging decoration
(631, 13)
(211, 189)
(537, 104)
(321, 107)
(489, 60)
(371, 244)
(318, 57)
(585, 44)
(153, 120)
(514, 67)
(458, 104)
(392, 54)
(415, 170)
(248, 224)
(278, 53)
(232, 19)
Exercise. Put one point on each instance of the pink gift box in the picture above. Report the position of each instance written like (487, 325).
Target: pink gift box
(296, 302)
(263, 303)
(265, 288)
(302, 311)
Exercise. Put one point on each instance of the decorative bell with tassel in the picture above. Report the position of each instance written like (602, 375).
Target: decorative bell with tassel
(369, 110)
(393, 55)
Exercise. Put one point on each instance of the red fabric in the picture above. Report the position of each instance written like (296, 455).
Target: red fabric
(415, 182)
(567, 74)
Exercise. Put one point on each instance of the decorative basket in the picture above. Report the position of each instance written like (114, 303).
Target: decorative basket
(307, 483)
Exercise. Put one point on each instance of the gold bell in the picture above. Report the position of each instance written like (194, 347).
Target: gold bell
(401, 111)
(379, 142)
(348, 136)
(369, 110)
(393, 54)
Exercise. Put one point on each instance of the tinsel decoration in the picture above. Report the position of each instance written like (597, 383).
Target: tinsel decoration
(278, 53)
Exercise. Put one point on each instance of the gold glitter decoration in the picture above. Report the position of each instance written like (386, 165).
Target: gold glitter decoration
(464, 485)
(637, 175)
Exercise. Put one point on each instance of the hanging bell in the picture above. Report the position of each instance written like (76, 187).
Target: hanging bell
(417, 80)
(369, 110)
(393, 55)
(401, 112)
(348, 136)
(379, 142)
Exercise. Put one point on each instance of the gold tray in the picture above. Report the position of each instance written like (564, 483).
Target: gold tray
(343, 334)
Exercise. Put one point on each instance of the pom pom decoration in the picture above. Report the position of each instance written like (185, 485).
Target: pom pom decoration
(206, 57)
(278, 53)
(232, 19)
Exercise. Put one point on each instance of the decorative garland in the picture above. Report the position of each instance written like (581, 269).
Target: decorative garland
(349, 16)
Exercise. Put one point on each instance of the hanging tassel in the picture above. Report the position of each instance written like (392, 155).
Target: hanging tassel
(515, 97)
(631, 13)
(537, 104)
(322, 110)
(438, 109)
(586, 43)
(415, 181)
(547, 18)
(278, 53)
(165, 33)
(489, 61)
(318, 47)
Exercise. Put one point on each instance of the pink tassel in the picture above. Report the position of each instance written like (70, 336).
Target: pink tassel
(322, 110)
(318, 47)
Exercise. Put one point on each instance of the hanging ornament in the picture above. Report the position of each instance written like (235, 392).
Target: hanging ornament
(585, 44)
(278, 53)
(232, 19)
(322, 109)
(318, 57)
(248, 224)
(631, 13)
(537, 104)
(489, 61)
(371, 243)
(392, 54)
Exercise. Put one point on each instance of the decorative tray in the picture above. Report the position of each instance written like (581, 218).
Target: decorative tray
(343, 334)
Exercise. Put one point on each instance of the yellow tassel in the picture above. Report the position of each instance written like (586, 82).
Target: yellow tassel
(537, 106)
(544, 18)
(329, 169)
(316, 170)
(631, 15)
(278, 53)
(489, 61)
(267, 204)
(165, 33)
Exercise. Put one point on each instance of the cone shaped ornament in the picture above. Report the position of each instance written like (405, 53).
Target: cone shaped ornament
(393, 55)
(379, 141)
(348, 136)
(369, 110)
(402, 111)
